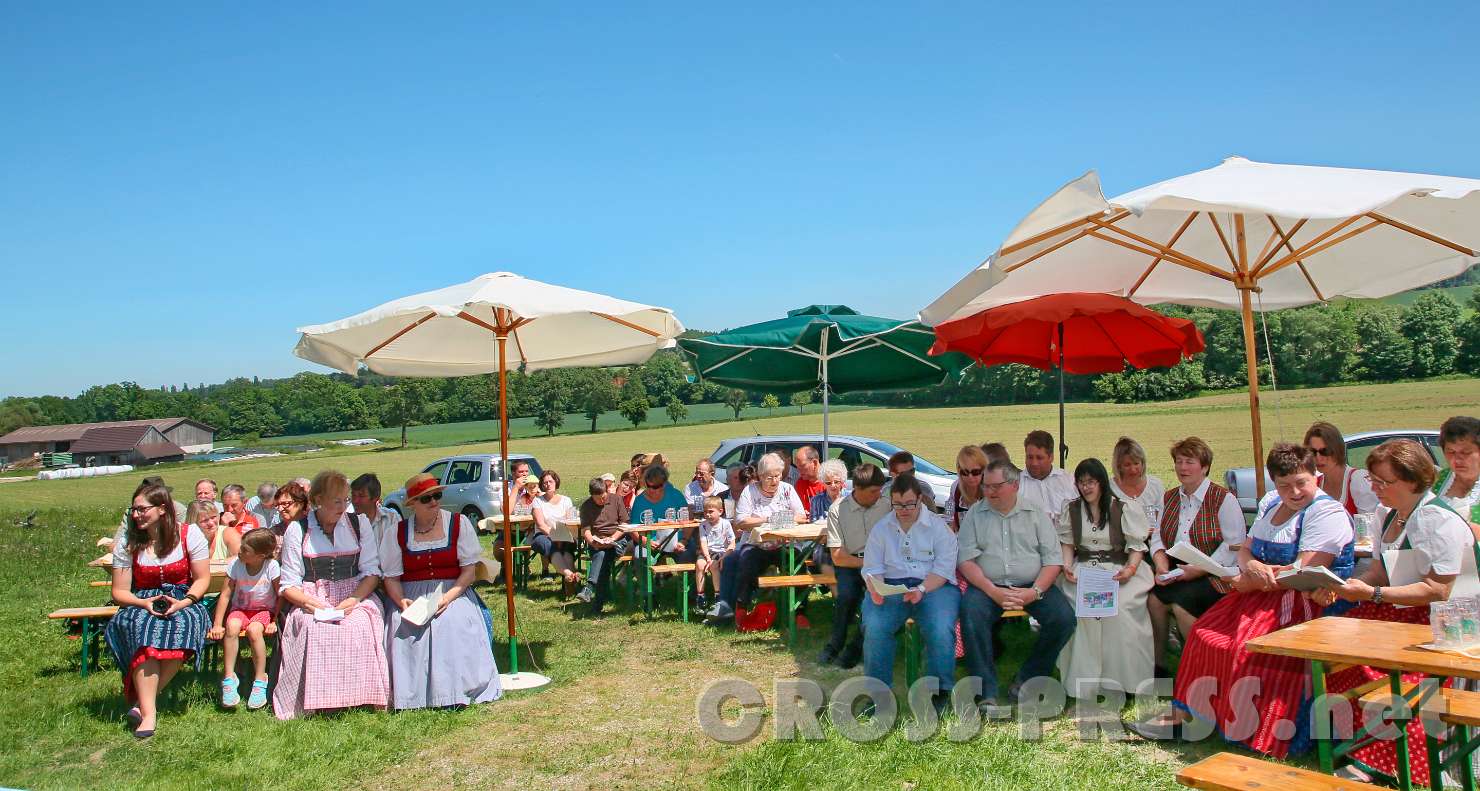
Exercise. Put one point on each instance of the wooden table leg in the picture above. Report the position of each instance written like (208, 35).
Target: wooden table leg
(1321, 729)
(1405, 772)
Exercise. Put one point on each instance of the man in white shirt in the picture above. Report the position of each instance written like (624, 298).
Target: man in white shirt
(1044, 485)
(364, 494)
(704, 484)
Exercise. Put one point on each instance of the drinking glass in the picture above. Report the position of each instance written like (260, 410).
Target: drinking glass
(1469, 611)
(1362, 528)
(669, 515)
(647, 517)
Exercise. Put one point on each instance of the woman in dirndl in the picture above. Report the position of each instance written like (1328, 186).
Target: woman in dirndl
(1412, 517)
(160, 571)
(1298, 524)
(1459, 486)
(333, 639)
(447, 660)
(1103, 531)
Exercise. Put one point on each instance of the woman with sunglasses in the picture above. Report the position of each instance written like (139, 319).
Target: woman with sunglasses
(1346, 485)
(971, 463)
(1412, 517)
(446, 659)
(161, 568)
(332, 642)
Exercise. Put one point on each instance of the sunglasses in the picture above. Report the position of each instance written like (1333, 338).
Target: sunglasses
(428, 499)
(1320, 451)
(653, 487)
(969, 473)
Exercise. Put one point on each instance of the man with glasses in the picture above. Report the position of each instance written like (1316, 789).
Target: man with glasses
(849, 521)
(904, 462)
(1009, 555)
(704, 485)
(911, 548)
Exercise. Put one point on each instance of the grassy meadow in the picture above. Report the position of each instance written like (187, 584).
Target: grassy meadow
(621, 711)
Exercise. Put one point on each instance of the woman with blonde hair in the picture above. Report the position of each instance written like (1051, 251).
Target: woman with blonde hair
(1130, 482)
(203, 514)
(333, 638)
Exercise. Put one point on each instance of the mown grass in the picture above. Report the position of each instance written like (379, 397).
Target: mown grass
(621, 711)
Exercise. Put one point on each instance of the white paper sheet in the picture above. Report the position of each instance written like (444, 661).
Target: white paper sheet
(883, 588)
(422, 610)
(1195, 558)
(328, 615)
(1097, 593)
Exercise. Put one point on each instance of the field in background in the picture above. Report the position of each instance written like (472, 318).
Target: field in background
(937, 434)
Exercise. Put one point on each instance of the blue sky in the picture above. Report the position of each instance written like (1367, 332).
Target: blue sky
(181, 185)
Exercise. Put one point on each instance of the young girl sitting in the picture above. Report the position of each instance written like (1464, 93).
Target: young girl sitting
(716, 539)
(248, 600)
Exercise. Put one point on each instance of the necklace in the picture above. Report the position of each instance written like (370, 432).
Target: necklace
(416, 527)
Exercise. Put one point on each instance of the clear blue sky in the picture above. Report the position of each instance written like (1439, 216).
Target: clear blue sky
(181, 185)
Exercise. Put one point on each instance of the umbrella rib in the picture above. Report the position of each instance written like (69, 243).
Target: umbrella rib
(1270, 253)
(1304, 251)
(725, 361)
(627, 324)
(1174, 255)
(1170, 255)
(1422, 234)
(910, 355)
(1055, 231)
(1109, 337)
(1312, 248)
(1226, 247)
(1285, 241)
(1158, 259)
(392, 339)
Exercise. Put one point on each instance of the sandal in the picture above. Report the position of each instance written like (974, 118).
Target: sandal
(229, 694)
(258, 698)
(133, 716)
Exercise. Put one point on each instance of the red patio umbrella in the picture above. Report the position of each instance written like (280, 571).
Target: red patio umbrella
(1082, 333)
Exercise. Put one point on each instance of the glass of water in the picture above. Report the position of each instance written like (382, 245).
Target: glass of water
(1469, 624)
(669, 515)
(647, 517)
(1362, 528)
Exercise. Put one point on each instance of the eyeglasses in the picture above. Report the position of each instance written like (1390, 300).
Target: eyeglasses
(1321, 451)
(1379, 483)
(428, 499)
(969, 473)
(992, 487)
(140, 509)
(905, 506)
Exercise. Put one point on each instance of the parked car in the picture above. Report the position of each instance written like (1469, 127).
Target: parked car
(851, 450)
(1241, 481)
(472, 481)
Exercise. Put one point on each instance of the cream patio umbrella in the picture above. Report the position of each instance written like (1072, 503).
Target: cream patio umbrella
(466, 329)
(1226, 237)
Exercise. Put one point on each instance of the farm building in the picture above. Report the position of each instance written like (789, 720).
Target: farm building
(128, 441)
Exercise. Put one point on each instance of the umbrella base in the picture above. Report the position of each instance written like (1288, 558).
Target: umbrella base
(522, 680)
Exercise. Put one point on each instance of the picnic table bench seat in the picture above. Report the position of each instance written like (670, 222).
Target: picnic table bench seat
(796, 580)
(92, 620)
(1230, 772)
(1459, 707)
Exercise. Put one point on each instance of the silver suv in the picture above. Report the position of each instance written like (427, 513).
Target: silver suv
(851, 450)
(1240, 481)
(472, 483)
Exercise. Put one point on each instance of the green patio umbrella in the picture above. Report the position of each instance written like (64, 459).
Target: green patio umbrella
(828, 346)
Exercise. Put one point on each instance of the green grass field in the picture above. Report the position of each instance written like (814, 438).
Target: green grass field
(621, 711)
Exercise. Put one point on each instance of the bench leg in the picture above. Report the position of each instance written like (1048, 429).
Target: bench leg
(87, 638)
(1405, 772)
(911, 655)
(683, 596)
(647, 584)
(1321, 731)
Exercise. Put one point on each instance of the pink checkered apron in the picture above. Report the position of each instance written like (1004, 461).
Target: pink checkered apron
(331, 665)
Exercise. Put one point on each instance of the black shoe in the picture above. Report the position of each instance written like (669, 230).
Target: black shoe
(942, 703)
(1156, 732)
(1161, 672)
(850, 657)
(828, 656)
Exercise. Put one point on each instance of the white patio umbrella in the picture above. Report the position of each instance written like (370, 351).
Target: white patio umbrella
(1226, 237)
(465, 329)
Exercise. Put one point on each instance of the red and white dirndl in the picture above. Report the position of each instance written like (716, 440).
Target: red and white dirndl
(332, 665)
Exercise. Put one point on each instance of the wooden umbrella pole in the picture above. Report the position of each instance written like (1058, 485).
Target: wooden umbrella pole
(1246, 282)
(1063, 445)
(503, 460)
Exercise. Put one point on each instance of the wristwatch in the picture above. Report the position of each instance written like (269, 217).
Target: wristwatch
(1038, 591)
(1377, 595)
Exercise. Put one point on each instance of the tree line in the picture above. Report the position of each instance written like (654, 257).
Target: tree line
(1344, 341)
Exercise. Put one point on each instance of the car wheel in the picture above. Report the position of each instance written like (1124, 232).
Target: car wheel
(474, 516)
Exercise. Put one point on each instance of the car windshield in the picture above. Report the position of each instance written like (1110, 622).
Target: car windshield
(921, 465)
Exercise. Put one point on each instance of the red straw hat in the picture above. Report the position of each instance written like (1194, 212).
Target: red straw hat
(422, 484)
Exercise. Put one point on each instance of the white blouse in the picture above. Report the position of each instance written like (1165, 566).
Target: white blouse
(356, 537)
(469, 551)
(554, 512)
(1150, 499)
(1442, 535)
(195, 544)
(1328, 527)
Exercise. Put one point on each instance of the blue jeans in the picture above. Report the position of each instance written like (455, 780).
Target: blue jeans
(603, 561)
(935, 616)
(979, 614)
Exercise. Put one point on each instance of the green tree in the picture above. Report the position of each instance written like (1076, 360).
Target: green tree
(676, 410)
(1468, 360)
(770, 402)
(633, 403)
(548, 394)
(1431, 325)
(596, 394)
(1384, 353)
(801, 400)
(405, 404)
(665, 377)
(251, 411)
(736, 399)
(18, 413)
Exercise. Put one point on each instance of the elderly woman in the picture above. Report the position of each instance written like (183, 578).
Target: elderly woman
(203, 514)
(1103, 531)
(291, 502)
(550, 509)
(1203, 514)
(1346, 485)
(160, 571)
(768, 495)
(333, 640)
(1412, 517)
(834, 477)
(1132, 484)
(1459, 486)
(444, 658)
(1298, 525)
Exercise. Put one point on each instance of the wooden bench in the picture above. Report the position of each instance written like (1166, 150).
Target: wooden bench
(796, 581)
(1459, 707)
(914, 647)
(92, 621)
(1230, 772)
(682, 570)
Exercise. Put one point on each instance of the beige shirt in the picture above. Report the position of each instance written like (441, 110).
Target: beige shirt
(849, 523)
(1009, 548)
(1133, 527)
